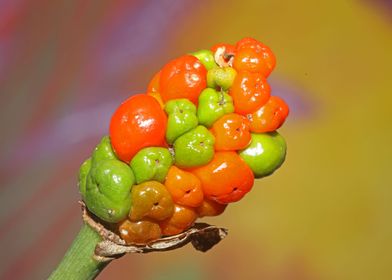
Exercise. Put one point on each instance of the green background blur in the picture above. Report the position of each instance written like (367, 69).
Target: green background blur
(326, 214)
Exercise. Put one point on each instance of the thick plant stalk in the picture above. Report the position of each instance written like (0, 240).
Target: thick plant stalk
(79, 263)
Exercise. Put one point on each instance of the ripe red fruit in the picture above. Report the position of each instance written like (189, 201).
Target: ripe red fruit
(137, 123)
(184, 77)
(249, 91)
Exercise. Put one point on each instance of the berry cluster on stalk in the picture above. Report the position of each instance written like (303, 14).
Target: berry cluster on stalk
(195, 142)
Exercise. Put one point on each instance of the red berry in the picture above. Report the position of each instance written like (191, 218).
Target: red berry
(249, 91)
(184, 77)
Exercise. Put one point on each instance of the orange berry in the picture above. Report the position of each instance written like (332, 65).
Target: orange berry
(184, 187)
(227, 178)
(231, 132)
(150, 200)
(210, 208)
(182, 219)
(254, 56)
(249, 91)
(270, 116)
(184, 77)
(140, 232)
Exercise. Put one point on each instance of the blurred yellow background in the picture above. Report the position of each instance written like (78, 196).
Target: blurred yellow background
(326, 214)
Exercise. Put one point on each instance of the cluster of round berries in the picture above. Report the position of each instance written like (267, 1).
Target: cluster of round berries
(191, 145)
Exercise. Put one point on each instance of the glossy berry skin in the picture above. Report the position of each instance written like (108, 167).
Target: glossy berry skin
(210, 208)
(103, 151)
(184, 187)
(181, 118)
(250, 91)
(269, 117)
(140, 232)
(151, 200)
(206, 57)
(231, 132)
(184, 77)
(254, 56)
(227, 178)
(108, 189)
(194, 148)
(221, 77)
(182, 219)
(151, 163)
(265, 154)
(139, 122)
(213, 105)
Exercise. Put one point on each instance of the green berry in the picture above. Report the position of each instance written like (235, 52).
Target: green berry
(108, 190)
(83, 172)
(151, 163)
(206, 57)
(103, 151)
(213, 105)
(181, 118)
(221, 77)
(265, 153)
(194, 148)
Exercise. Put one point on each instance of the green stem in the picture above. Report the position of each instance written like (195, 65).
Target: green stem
(78, 262)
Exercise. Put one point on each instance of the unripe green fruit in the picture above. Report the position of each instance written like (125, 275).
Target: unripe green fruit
(151, 164)
(265, 153)
(108, 190)
(221, 77)
(181, 118)
(213, 105)
(206, 57)
(83, 172)
(103, 151)
(194, 148)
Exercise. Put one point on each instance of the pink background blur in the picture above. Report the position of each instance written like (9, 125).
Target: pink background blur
(326, 214)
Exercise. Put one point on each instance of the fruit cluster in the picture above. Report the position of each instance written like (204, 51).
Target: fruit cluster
(194, 143)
